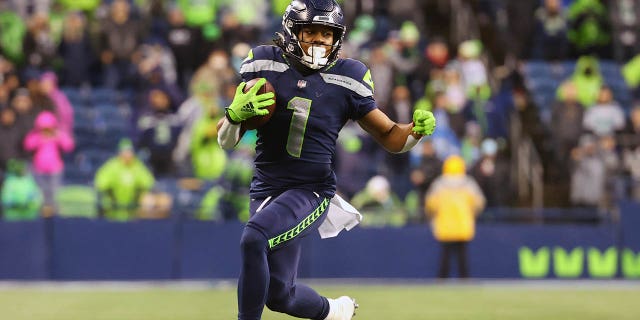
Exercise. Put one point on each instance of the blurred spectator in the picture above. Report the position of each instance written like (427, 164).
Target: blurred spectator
(12, 36)
(211, 205)
(153, 56)
(382, 74)
(445, 140)
(25, 111)
(630, 145)
(153, 13)
(404, 53)
(184, 44)
(379, 204)
(455, 92)
(491, 172)
(216, 73)
(11, 141)
(631, 163)
(237, 179)
(239, 52)
(46, 141)
(244, 21)
(452, 202)
(625, 21)
(158, 133)
(76, 51)
(21, 198)
(121, 182)
(587, 79)
(566, 127)
(614, 188)
(27, 8)
(40, 48)
(62, 107)
(201, 15)
(550, 40)
(87, 6)
(189, 113)
(120, 35)
(207, 157)
(155, 205)
(631, 73)
(606, 117)
(359, 38)
(4, 97)
(629, 138)
(423, 175)
(435, 58)
(353, 145)
(470, 65)
(206, 97)
(41, 100)
(470, 147)
(480, 106)
(589, 28)
(396, 167)
(588, 174)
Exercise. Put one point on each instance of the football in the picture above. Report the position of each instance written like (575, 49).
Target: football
(258, 121)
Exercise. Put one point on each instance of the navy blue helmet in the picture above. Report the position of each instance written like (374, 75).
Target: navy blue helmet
(308, 12)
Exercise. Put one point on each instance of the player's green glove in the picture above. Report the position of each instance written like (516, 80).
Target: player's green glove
(249, 104)
(423, 122)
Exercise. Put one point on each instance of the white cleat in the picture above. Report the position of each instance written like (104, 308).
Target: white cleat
(343, 308)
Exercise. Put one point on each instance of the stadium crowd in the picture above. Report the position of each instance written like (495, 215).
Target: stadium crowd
(117, 102)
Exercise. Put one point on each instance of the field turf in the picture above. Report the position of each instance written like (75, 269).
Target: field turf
(475, 300)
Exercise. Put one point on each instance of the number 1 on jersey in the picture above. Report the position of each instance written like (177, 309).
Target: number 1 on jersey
(301, 109)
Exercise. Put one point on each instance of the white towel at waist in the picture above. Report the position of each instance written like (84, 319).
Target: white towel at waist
(341, 215)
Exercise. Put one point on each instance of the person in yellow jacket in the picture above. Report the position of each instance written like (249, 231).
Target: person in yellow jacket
(121, 183)
(453, 202)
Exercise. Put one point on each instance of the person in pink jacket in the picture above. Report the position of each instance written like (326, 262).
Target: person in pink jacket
(63, 108)
(46, 142)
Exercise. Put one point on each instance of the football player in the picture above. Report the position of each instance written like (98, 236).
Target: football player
(316, 94)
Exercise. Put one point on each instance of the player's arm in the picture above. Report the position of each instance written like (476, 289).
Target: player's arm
(244, 106)
(396, 137)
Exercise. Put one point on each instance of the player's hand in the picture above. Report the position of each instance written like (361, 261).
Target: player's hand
(250, 104)
(423, 122)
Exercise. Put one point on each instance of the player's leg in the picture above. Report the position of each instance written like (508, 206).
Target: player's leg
(276, 225)
(254, 274)
(285, 294)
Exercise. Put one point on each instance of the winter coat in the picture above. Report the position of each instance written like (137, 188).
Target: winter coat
(453, 202)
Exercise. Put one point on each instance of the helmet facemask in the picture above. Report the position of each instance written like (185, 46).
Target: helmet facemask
(316, 55)
(306, 13)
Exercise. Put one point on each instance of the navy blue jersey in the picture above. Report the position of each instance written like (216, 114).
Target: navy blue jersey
(295, 149)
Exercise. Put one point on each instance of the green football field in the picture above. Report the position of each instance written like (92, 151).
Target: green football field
(485, 300)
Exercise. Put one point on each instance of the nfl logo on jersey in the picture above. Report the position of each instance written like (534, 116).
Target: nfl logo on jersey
(302, 84)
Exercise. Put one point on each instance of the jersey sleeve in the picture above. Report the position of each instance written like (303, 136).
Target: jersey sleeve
(261, 59)
(356, 77)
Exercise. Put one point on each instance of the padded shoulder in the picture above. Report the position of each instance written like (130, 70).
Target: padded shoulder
(351, 74)
(263, 58)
